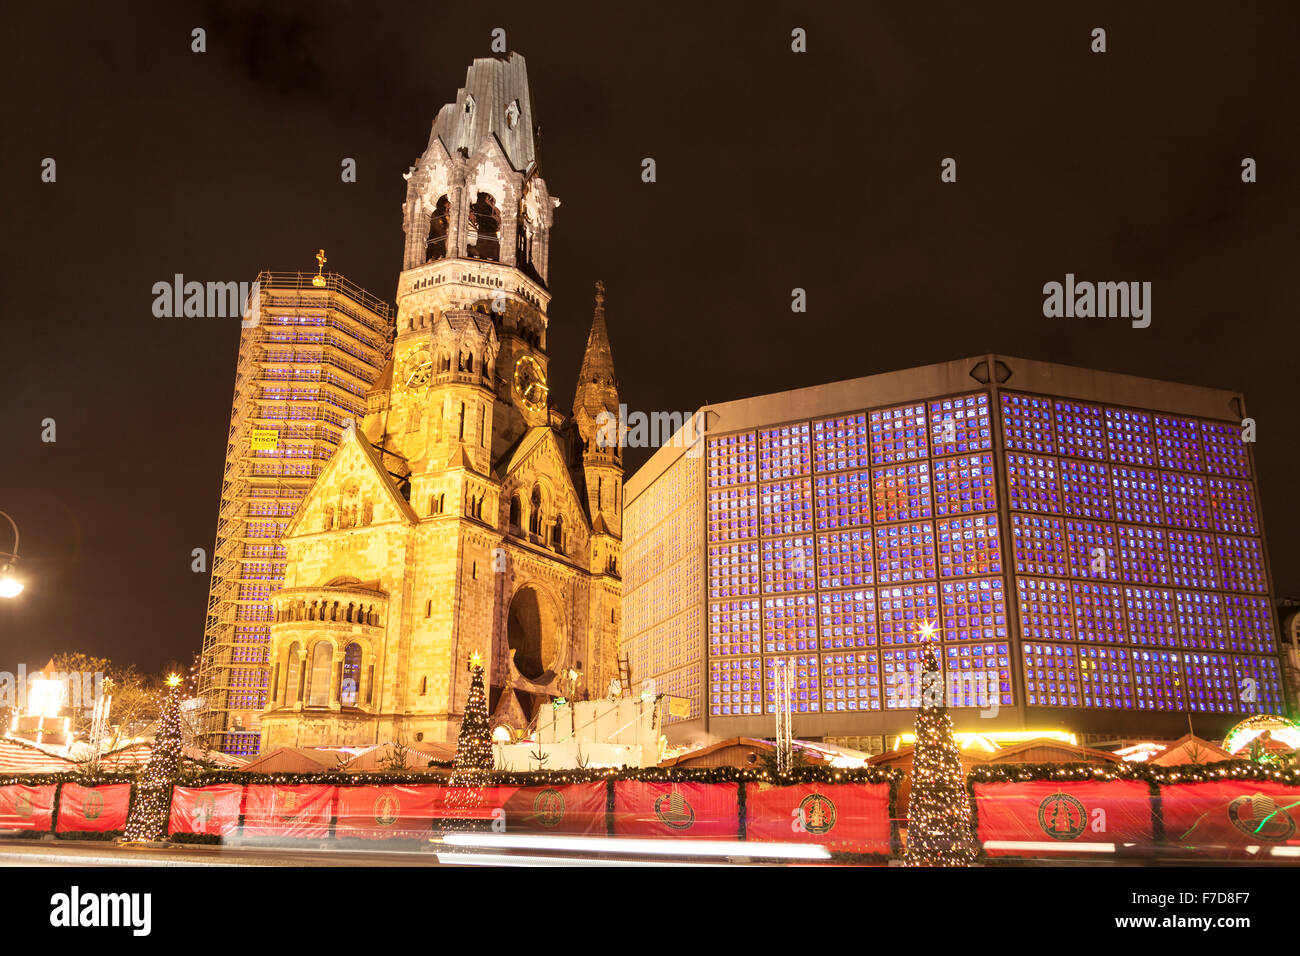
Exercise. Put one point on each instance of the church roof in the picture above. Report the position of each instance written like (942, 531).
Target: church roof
(495, 101)
(597, 389)
(460, 459)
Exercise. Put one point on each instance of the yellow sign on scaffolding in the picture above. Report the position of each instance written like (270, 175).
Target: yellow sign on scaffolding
(679, 706)
(264, 439)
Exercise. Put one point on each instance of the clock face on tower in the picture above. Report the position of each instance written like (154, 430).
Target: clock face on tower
(530, 383)
(417, 369)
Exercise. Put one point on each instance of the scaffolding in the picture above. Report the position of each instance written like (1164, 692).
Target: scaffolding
(303, 372)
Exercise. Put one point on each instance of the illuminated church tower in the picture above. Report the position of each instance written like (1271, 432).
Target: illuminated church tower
(464, 513)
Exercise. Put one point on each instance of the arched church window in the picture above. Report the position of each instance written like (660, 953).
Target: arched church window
(557, 533)
(291, 671)
(318, 680)
(516, 511)
(485, 225)
(435, 246)
(351, 682)
(535, 518)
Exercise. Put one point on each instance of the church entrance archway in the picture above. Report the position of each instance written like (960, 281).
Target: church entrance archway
(533, 632)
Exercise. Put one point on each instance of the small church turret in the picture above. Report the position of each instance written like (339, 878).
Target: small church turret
(596, 415)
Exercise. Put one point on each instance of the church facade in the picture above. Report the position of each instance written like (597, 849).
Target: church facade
(465, 514)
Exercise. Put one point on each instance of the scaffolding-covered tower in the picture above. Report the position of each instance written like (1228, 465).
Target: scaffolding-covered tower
(304, 371)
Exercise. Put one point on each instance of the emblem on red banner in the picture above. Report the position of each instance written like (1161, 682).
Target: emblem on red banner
(548, 807)
(92, 805)
(23, 805)
(817, 812)
(1062, 817)
(673, 811)
(288, 801)
(1260, 816)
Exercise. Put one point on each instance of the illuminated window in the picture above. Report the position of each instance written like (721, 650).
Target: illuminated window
(1210, 683)
(1151, 618)
(848, 619)
(1106, 677)
(960, 425)
(1051, 675)
(843, 500)
(1129, 437)
(1092, 548)
(805, 683)
(1242, 563)
(783, 452)
(840, 444)
(905, 552)
(901, 676)
(1033, 483)
(1099, 613)
(735, 687)
(733, 570)
(1249, 623)
(1258, 685)
(845, 559)
(790, 623)
(1192, 560)
(1158, 680)
(1085, 489)
(1081, 430)
(898, 434)
(1039, 545)
(964, 485)
(969, 546)
(733, 628)
(733, 514)
(1027, 424)
(1178, 443)
(732, 460)
(1225, 452)
(900, 611)
(1143, 558)
(788, 564)
(851, 682)
(1045, 609)
(901, 492)
(977, 675)
(1137, 495)
(1184, 500)
(785, 507)
(974, 609)
(1232, 505)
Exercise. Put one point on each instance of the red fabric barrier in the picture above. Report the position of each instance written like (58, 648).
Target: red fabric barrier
(1231, 814)
(1063, 816)
(26, 808)
(301, 811)
(852, 817)
(212, 810)
(388, 812)
(93, 809)
(695, 810)
(577, 808)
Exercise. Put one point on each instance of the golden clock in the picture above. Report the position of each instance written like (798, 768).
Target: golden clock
(530, 383)
(417, 369)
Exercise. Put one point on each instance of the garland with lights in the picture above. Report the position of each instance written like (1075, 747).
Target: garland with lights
(940, 828)
(152, 795)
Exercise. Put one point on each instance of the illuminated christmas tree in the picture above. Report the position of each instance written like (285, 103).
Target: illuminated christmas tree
(471, 770)
(939, 821)
(153, 788)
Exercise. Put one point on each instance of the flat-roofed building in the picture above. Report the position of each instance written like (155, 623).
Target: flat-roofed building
(1086, 548)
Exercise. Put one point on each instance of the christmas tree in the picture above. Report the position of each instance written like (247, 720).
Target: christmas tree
(153, 788)
(471, 769)
(939, 821)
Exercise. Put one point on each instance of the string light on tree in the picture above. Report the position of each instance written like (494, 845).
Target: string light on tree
(153, 789)
(939, 821)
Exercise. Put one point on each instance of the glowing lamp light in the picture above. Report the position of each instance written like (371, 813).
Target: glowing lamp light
(502, 734)
(173, 680)
(10, 586)
(44, 697)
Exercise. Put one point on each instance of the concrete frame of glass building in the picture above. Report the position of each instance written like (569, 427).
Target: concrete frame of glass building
(1088, 548)
(305, 369)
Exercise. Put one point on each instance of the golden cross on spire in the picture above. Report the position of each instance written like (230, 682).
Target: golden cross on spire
(319, 280)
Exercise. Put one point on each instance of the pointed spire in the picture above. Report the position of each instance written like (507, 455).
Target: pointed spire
(598, 360)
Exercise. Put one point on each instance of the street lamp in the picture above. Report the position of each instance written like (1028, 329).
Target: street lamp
(10, 586)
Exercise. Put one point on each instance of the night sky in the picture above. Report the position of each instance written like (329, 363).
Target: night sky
(775, 171)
